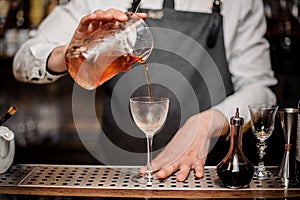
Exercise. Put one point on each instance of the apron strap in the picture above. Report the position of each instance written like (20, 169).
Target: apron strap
(216, 6)
(134, 5)
(169, 4)
(214, 29)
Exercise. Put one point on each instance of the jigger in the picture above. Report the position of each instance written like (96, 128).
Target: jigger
(287, 171)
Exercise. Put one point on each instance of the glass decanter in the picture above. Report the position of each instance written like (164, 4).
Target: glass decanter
(235, 170)
(113, 48)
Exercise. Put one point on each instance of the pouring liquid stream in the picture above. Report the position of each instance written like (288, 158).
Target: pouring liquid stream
(146, 69)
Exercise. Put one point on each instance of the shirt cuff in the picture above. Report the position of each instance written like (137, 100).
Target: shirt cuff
(39, 73)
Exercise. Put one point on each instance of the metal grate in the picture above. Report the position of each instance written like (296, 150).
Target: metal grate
(15, 175)
(112, 178)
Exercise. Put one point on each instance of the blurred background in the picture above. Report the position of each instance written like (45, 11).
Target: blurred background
(43, 125)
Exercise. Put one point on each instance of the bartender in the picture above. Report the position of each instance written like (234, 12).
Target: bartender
(209, 58)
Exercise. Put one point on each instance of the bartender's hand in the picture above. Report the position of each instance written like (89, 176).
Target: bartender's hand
(91, 22)
(189, 147)
(87, 25)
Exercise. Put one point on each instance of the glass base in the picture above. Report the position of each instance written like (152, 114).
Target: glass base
(262, 174)
(147, 179)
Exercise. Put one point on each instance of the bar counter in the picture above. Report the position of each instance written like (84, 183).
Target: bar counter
(115, 181)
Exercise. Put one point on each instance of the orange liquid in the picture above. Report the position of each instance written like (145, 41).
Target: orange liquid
(90, 75)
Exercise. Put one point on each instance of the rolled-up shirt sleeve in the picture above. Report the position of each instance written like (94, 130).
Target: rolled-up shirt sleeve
(31, 60)
(248, 57)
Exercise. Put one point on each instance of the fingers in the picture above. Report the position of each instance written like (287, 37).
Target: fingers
(90, 23)
(93, 20)
(143, 170)
(142, 15)
(110, 14)
(199, 170)
(156, 165)
(167, 171)
(84, 24)
(114, 14)
(183, 170)
(183, 173)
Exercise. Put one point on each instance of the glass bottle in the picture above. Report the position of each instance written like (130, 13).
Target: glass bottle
(283, 34)
(235, 170)
(37, 13)
(4, 8)
(298, 147)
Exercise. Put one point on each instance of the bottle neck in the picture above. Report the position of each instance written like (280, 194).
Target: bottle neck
(235, 137)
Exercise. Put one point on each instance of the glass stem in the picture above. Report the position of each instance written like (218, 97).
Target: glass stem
(149, 154)
(261, 153)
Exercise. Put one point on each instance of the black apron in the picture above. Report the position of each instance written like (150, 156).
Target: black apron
(188, 65)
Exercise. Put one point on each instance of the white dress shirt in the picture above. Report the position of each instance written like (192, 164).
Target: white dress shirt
(247, 51)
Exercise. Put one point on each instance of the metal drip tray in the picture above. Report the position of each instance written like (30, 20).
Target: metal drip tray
(108, 178)
(15, 175)
(101, 177)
